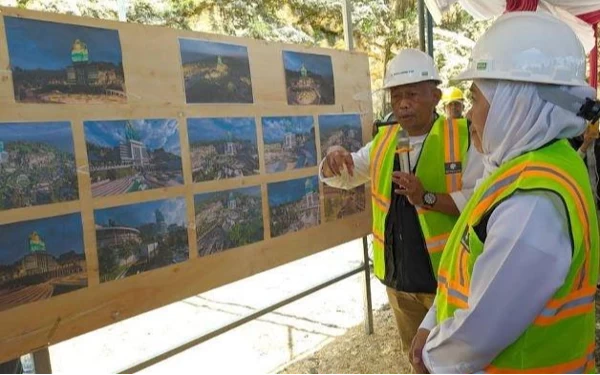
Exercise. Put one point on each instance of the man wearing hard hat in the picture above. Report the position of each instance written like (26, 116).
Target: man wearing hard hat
(414, 212)
(453, 101)
(517, 278)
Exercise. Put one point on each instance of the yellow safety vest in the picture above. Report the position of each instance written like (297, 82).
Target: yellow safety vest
(561, 338)
(439, 168)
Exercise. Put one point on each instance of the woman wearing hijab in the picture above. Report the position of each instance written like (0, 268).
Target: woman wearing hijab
(517, 278)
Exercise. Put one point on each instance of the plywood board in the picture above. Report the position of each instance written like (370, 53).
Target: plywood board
(142, 165)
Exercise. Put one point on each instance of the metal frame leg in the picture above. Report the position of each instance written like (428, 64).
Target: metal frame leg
(367, 298)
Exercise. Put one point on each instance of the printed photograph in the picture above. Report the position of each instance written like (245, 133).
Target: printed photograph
(40, 259)
(215, 72)
(340, 130)
(62, 63)
(294, 205)
(341, 203)
(308, 78)
(140, 237)
(37, 164)
(289, 143)
(222, 148)
(133, 155)
(228, 219)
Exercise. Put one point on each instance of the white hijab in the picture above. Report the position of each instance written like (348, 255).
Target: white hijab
(520, 121)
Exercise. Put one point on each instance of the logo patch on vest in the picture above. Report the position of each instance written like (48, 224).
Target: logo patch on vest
(453, 168)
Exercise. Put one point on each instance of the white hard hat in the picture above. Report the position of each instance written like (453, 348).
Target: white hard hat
(410, 66)
(528, 47)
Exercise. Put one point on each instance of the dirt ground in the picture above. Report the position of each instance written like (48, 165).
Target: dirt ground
(355, 353)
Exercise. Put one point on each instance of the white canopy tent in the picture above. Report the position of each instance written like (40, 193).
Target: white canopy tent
(579, 14)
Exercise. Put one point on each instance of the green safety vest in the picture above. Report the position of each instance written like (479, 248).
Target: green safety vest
(561, 338)
(439, 168)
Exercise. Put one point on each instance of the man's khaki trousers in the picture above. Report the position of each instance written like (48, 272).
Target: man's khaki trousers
(409, 310)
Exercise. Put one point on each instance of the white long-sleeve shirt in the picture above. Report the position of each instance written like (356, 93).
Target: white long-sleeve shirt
(526, 259)
(362, 164)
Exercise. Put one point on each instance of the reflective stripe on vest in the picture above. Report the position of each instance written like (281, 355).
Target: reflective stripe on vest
(561, 338)
(440, 169)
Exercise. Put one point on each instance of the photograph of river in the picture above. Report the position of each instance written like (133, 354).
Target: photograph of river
(289, 143)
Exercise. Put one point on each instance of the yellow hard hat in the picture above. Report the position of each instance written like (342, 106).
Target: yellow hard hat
(452, 94)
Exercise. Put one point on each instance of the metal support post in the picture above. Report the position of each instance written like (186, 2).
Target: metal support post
(347, 17)
(421, 18)
(368, 301)
(429, 34)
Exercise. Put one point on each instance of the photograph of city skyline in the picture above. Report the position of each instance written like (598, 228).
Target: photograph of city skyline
(215, 72)
(37, 164)
(308, 78)
(294, 205)
(40, 259)
(289, 143)
(222, 148)
(133, 155)
(228, 219)
(140, 237)
(340, 130)
(63, 63)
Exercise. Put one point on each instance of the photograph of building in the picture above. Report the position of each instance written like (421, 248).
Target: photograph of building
(133, 155)
(340, 130)
(222, 148)
(215, 72)
(37, 164)
(289, 143)
(228, 219)
(341, 203)
(62, 63)
(40, 259)
(140, 237)
(308, 78)
(294, 205)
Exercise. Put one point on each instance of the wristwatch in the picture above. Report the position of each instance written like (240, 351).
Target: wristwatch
(429, 199)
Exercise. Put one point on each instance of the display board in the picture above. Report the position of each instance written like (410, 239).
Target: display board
(142, 165)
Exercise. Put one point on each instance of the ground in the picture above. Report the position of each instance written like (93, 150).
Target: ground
(355, 353)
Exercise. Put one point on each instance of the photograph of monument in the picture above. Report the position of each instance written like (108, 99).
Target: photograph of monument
(215, 72)
(37, 164)
(341, 203)
(308, 78)
(289, 143)
(133, 155)
(294, 205)
(223, 148)
(340, 130)
(63, 63)
(228, 219)
(41, 258)
(140, 237)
